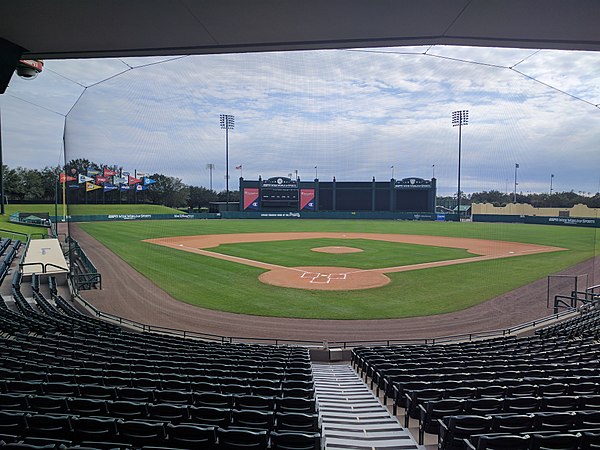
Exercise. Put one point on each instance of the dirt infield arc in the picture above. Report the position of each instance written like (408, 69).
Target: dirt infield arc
(346, 278)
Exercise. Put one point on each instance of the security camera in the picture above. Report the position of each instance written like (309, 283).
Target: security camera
(28, 69)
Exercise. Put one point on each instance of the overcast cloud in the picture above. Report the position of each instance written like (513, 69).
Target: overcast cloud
(351, 113)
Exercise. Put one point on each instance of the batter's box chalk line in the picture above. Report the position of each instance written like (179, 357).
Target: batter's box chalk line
(318, 277)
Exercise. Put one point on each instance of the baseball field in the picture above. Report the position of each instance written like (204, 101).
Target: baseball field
(306, 268)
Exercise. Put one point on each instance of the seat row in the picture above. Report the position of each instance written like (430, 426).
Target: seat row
(496, 387)
(454, 430)
(176, 414)
(150, 390)
(13, 368)
(431, 412)
(139, 407)
(112, 433)
(577, 440)
(77, 361)
(421, 392)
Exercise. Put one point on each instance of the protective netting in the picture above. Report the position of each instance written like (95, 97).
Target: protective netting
(351, 114)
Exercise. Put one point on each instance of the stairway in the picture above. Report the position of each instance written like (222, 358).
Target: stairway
(352, 417)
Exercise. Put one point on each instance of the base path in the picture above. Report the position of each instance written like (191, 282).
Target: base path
(128, 294)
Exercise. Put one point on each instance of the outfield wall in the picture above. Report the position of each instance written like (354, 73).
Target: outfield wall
(380, 215)
(590, 222)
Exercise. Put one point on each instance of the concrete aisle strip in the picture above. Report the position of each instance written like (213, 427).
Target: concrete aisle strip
(352, 417)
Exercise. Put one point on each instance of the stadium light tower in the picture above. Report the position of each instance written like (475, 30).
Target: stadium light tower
(227, 123)
(459, 118)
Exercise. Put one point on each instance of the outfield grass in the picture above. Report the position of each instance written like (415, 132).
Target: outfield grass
(228, 286)
(72, 210)
(374, 255)
(27, 229)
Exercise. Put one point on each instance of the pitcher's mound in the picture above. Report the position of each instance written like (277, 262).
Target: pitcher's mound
(336, 250)
(324, 278)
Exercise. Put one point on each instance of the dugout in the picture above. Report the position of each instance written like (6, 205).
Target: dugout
(287, 194)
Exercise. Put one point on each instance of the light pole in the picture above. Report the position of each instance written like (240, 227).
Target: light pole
(433, 171)
(392, 167)
(459, 118)
(227, 122)
(515, 192)
(551, 179)
(316, 172)
(210, 167)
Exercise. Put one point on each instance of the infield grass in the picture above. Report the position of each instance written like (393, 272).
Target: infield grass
(374, 254)
(233, 287)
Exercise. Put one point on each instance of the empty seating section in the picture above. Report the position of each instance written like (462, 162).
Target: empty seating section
(72, 380)
(541, 391)
(8, 252)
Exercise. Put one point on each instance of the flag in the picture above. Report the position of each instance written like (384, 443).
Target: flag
(73, 186)
(109, 172)
(516, 166)
(125, 174)
(238, 167)
(140, 174)
(83, 178)
(64, 178)
(92, 172)
(100, 180)
(139, 187)
(133, 180)
(109, 187)
(91, 187)
(148, 181)
(124, 187)
(120, 180)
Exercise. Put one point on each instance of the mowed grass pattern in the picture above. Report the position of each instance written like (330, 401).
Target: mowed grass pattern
(222, 285)
(374, 254)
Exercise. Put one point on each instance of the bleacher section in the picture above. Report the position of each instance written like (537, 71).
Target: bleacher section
(541, 391)
(8, 252)
(73, 381)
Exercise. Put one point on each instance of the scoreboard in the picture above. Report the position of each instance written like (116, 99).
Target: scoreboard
(279, 193)
(287, 194)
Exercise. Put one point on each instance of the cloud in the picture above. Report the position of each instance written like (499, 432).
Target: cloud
(351, 113)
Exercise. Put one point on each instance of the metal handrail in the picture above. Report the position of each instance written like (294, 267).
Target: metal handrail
(44, 266)
(337, 344)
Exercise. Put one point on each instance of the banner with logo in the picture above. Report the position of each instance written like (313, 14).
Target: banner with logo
(251, 202)
(91, 187)
(307, 199)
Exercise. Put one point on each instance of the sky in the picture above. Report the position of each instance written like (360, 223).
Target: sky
(349, 114)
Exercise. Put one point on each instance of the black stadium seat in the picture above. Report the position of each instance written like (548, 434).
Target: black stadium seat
(187, 436)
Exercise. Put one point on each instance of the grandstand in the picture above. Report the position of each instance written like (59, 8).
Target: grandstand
(68, 380)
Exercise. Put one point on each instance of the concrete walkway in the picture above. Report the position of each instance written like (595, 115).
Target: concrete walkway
(352, 417)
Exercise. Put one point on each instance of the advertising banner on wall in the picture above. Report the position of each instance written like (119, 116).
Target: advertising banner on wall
(307, 199)
(251, 199)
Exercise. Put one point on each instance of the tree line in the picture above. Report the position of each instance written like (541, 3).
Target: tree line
(22, 184)
(34, 185)
(565, 199)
